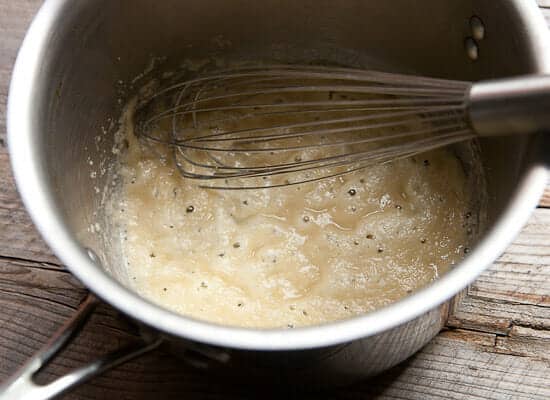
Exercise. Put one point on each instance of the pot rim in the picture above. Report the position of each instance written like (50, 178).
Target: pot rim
(39, 201)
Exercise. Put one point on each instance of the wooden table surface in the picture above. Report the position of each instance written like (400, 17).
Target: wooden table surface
(496, 344)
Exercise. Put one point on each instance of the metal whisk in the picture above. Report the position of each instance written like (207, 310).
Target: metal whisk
(280, 125)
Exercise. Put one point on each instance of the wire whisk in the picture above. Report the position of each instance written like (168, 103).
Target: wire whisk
(280, 125)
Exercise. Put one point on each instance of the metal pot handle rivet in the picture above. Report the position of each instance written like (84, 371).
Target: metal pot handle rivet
(477, 28)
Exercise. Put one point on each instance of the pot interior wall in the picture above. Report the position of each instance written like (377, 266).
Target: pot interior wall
(101, 46)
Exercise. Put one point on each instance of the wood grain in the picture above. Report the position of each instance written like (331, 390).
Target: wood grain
(496, 346)
(15, 17)
(18, 237)
(515, 290)
(545, 200)
(459, 364)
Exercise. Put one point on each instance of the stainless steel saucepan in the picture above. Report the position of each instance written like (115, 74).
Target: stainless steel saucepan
(66, 89)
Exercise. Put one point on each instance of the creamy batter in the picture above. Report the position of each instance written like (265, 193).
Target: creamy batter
(292, 256)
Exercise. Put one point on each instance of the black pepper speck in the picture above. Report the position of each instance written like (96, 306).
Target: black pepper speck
(190, 209)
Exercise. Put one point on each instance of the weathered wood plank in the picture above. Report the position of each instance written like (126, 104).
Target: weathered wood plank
(15, 16)
(515, 290)
(457, 365)
(522, 274)
(545, 200)
(503, 355)
(462, 365)
(525, 342)
(18, 236)
(487, 315)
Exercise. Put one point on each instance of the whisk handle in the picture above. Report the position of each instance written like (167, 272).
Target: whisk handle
(517, 105)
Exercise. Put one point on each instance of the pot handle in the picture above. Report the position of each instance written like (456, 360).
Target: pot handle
(22, 385)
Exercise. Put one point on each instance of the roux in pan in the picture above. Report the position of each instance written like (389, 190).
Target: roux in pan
(291, 256)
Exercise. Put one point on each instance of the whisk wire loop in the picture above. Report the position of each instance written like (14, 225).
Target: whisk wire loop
(280, 125)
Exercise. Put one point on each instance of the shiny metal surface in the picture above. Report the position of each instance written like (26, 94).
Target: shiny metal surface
(477, 28)
(22, 385)
(423, 113)
(65, 90)
(452, 112)
(515, 106)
